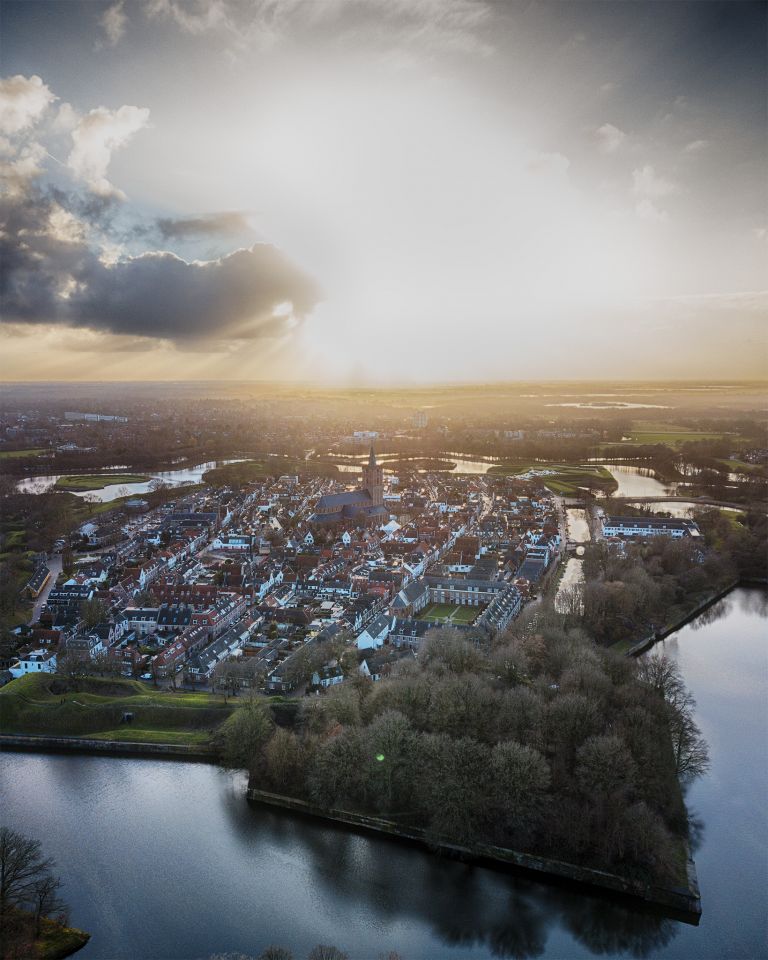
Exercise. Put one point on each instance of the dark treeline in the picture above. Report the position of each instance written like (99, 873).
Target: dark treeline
(634, 593)
(542, 742)
(637, 591)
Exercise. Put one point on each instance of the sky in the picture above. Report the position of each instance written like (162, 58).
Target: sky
(384, 191)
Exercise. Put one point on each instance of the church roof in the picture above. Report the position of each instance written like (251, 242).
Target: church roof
(350, 498)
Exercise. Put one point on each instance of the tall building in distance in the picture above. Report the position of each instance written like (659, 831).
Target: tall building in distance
(366, 504)
(373, 479)
(420, 419)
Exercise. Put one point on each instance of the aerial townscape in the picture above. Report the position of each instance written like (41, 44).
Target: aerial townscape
(439, 624)
(383, 480)
(446, 613)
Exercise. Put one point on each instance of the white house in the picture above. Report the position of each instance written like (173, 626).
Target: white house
(649, 527)
(375, 633)
(35, 661)
(328, 676)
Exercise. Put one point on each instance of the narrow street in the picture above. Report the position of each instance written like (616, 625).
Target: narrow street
(54, 565)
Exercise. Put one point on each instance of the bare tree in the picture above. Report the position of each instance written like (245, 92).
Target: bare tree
(26, 881)
(276, 953)
(325, 952)
(45, 900)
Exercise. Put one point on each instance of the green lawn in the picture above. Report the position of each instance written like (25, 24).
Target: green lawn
(29, 705)
(133, 734)
(13, 454)
(97, 481)
(740, 466)
(448, 612)
(562, 478)
(670, 434)
(15, 538)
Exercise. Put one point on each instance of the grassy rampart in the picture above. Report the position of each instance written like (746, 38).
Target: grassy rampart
(45, 704)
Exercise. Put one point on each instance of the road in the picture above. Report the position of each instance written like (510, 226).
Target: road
(54, 565)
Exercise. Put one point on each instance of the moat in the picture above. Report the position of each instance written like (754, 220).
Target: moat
(167, 860)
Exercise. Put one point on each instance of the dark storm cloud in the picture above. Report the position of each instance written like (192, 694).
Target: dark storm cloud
(217, 224)
(50, 274)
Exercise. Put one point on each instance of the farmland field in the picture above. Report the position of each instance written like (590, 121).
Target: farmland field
(14, 454)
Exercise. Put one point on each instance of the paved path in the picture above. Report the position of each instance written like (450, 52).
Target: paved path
(54, 565)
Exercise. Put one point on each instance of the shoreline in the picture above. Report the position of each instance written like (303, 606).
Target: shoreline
(125, 748)
(679, 903)
(645, 644)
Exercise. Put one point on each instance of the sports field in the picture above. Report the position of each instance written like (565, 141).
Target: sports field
(449, 613)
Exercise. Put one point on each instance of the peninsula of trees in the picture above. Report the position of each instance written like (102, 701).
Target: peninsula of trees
(542, 742)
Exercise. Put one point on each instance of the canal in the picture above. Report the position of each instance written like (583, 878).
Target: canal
(167, 860)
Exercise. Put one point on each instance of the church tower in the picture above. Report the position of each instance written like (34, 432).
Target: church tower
(373, 479)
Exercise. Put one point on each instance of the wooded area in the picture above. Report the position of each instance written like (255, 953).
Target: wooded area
(542, 742)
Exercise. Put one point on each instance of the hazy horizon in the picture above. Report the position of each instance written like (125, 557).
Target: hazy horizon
(371, 193)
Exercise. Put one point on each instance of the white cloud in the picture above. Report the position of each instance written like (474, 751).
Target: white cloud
(20, 165)
(451, 26)
(647, 183)
(113, 22)
(647, 210)
(96, 135)
(193, 16)
(760, 233)
(67, 118)
(648, 187)
(22, 102)
(609, 138)
(696, 145)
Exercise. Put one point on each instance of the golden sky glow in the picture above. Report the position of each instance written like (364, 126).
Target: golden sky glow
(495, 193)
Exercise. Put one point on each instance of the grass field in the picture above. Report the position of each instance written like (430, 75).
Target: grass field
(670, 434)
(449, 613)
(35, 705)
(16, 454)
(741, 466)
(562, 478)
(17, 559)
(97, 481)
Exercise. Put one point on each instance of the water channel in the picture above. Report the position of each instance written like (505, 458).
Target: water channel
(167, 860)
(116, 490)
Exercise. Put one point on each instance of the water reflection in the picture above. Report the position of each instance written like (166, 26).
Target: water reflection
(168, 860)
(462, 904)
(637, 481)
(174, 478)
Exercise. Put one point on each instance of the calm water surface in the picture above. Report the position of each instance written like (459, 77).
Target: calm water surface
(115, 491)
(637, 481)
(167, 860)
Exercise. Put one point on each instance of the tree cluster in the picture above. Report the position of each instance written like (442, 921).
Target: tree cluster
(542, 743)
(648, 585)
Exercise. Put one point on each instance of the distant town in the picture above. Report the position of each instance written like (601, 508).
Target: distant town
(227, 590)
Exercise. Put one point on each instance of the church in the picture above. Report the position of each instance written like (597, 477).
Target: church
(365, 505)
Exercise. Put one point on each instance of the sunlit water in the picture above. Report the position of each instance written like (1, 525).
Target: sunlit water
(167, 860)
(116, 490)
(636, 481)
(578, 527)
